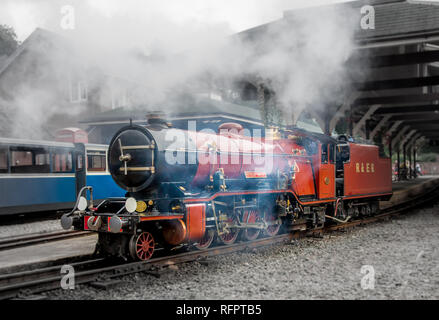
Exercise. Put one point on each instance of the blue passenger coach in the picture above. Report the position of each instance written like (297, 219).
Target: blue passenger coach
(40, 176)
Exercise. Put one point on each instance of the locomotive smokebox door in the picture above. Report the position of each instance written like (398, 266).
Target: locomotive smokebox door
(132, 157)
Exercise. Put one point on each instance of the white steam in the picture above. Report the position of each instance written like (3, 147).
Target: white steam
(152, 55)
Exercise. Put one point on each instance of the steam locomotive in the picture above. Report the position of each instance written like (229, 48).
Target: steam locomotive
(196, 188)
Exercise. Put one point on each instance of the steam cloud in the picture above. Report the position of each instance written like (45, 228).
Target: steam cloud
(303, 57)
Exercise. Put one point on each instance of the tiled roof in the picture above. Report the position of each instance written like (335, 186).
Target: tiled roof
(40, 39)
(192, 107)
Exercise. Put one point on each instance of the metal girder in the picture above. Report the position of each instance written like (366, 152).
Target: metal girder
(426, 131)
(341, 111)
(408, 109)
(379, 125)
(399, 59)
(410, 98)
(414, 139)
(319, 119)
(432, 116)
(431, 124)
(432, 136)
(365, 117)
(407, 137)
(399, 136)
(393, 127)
(420, 142)
(415, 39)
(397, 83)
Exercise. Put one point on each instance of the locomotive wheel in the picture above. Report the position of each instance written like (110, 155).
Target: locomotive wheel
(251, 216)
(206, 240)
(142, 246)
(270, 217)
(231, 236)
(363, 211)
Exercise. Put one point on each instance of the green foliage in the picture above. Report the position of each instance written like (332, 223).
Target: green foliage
(8, 40)
(427, 157)
(426, 148)
(420, 157)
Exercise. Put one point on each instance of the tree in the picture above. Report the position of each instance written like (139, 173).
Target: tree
(8, 40)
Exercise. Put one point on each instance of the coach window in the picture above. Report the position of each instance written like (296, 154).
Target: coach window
(3, 160)
(30, 160)
(96, 161)
(62, 161)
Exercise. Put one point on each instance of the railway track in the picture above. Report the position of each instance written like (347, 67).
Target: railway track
(33, 239)
(23, 284)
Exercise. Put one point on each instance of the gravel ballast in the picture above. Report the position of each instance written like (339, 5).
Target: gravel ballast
(403, 252)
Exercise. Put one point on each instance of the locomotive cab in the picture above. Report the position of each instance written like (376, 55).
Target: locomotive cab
(342, 156)
(327, 171)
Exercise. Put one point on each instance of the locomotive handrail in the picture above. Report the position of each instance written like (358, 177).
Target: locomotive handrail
(78, 198)
(150, 146)
(66, 220)
(122, 157)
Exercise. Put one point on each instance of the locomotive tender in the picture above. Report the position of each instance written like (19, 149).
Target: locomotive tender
(192, 187)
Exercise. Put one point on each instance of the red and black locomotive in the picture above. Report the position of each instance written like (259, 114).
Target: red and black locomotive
(192, 187)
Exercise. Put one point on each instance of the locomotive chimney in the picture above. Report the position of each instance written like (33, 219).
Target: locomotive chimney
(157, 118)
(230, 127)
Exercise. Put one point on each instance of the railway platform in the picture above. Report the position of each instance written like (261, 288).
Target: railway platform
(47, 252)
(405, 190)
(52, 251)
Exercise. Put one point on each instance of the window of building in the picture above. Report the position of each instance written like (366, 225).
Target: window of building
(96, 161)
(62, 161)
(3, 160)
(119, 98)
(30, 160)
(78, 91)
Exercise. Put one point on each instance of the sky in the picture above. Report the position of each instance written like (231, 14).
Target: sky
(232, 15)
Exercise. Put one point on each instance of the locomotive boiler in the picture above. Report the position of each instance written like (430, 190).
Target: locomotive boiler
(189, 187)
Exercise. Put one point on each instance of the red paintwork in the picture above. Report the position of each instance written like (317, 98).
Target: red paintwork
(325, 177)
(73, 135)
(326, 184)
(375, 173)
(195, 221)
(231, 151)
(85, 222)
(108, 224)
(303, 184)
